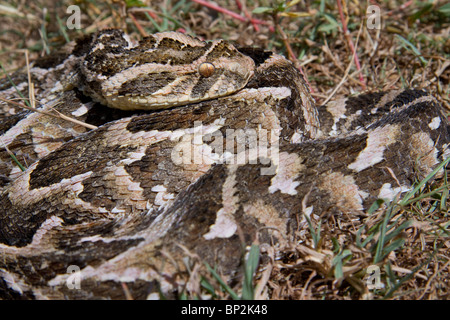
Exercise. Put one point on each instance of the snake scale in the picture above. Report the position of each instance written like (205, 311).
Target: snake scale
(199, 150)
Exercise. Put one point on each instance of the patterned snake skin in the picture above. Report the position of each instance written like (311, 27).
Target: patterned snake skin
(199, 150)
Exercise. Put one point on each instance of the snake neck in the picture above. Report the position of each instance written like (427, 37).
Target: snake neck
(299, 114)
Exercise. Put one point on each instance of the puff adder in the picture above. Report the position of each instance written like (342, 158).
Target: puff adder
(164, 182)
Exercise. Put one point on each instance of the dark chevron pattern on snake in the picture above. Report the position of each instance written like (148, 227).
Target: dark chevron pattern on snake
(125, 203)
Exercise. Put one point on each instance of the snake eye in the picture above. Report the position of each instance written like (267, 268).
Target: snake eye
(206, 69)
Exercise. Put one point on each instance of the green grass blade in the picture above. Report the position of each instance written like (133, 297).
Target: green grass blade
(155, 24)
(406, 44)
(397, 230)
(445, 194)
(315, 234)
(222, 283)
(22, 168)
(364, 243)
(63, 29)
(250, 268)
(409, 276)
(392, 247)
(338, 263)
(405, 200)
(14, 85)
(208, 286)
(381, 240)
(375, 206)
(443, 188)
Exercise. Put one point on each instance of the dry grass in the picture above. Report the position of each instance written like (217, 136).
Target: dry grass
(408, 242)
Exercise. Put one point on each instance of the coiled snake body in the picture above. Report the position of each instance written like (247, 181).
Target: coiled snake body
(214, 148)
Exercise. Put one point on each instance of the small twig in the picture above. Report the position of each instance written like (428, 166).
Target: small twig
(126, 291)
(233, 14)
(149, 12)
(138, 25)
(286, 43)
(350, 44)
(431, 279)
(222, 10)
(291, 54)
(305, 286)
(265, 275)
(31, 104)
(30, 83)
(346, 73)
(12, 155)
(56, 115)
(247, 14)
(402, 7)
(14, 85)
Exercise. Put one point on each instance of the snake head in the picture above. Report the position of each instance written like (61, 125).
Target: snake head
(164, 70)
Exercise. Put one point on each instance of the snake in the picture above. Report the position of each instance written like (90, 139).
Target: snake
(183, 153)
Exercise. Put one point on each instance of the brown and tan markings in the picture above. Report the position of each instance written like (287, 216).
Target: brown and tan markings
(156, 183)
